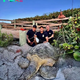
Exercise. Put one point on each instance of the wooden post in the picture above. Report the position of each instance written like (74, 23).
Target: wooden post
(33, 22)
(36, 24)
(14, 24)
(22, 25)
(22, 37)
(0, 27)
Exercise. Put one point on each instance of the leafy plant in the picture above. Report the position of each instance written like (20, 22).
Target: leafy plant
(5, 39)
(77, 55)
(69, 38)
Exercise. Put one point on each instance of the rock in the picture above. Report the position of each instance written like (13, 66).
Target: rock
(48, 72)
(25, 48)
(44, 50)
(35, 63)
(23, 62)
(10, 72)
(1, 59)
(3, 72)
(29, 72)
(60, 75)
(37, 78)
(67, 62)
(10, 56)
(61, 62)
(9, 69)
(41, 55)
(13, 48)
(71, 73)
(33, 78)
(69, 67)
(14, 72)
(1, 62)
(1, 50)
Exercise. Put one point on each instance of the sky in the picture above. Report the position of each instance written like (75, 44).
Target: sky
(31, 8)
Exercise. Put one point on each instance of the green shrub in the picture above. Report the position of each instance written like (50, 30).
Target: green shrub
(5, 39)
(68, 38)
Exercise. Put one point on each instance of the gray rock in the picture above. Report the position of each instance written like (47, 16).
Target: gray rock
(1, 50)
(13, 48)
(67, 62)
(23, 62)
(9, 69)
(60, 75)
(3, 72)
(7, 56)
(48, 72)
(44, 50)
(71, 73)
(25, 48)
(29, 72)
(1, 59)
(37, 78)
(1, 62)
(14, 72)
(33, 78)
(10, 56)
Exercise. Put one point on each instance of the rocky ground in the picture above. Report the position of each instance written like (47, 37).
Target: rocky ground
(14, 65)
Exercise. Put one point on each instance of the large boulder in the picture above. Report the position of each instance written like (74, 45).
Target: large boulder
(23, 63)
(48, 72)
(41, 55)
(44, 50)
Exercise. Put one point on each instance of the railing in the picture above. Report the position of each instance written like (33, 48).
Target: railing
(14, 24)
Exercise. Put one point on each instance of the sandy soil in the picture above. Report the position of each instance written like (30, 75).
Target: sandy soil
(15, 33)
(11, 31)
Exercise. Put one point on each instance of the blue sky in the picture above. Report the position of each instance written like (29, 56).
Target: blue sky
(31, 8)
